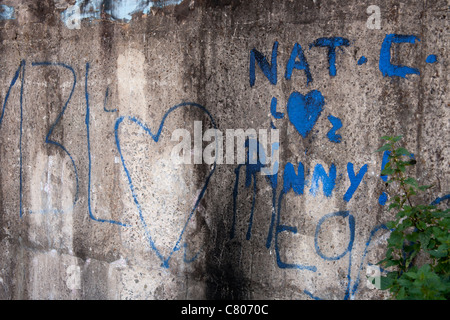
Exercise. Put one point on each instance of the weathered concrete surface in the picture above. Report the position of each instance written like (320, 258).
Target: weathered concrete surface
(91, 207)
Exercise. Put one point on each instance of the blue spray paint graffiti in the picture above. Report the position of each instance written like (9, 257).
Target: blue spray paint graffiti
(385, 65)
(337, 124)
(432, 58)
(269, 70)
(87, 121)
(155, 137)
(13, 82)
(362, 60)
(331, 44)
(302, 64)
(115, 9)
(304, 110)
(6, 12)
(58, 119)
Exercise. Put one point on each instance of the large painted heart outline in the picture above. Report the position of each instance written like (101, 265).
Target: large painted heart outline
(155, 137)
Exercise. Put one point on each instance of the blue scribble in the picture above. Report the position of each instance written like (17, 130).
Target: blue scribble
(362, 60)
(440, 199)
(385, 65)
(369, 241)
(273, 109)
(337, 124)
(431, 58)
(251, 170)
(189, 260)
(311, 295)
(328, 181)
(304, 111)
(58, 119)
(269, 70)
(105, 102)
(6, 12)
(294, 181)
(302, 64)
(155, 137)
(331, 43)
(284, 228)
(87, 121)
(20, 69)
(351, 225)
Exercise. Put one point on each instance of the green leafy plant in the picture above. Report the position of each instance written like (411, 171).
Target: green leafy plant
(417, 257)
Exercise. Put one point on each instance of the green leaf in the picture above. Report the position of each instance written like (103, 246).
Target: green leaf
(391, 224)
(424, 238)
(440, 252)
(397, 138)
(387, 171)
(412, 182)
(386, 147)
(402, 151)
(396, 239)
(389, 138)
(393, 205)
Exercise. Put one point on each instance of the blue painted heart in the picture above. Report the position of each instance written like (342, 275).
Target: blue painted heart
(304, 110)
(164, 259)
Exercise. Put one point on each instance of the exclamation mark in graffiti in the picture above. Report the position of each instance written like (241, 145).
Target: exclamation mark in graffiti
(383, 197)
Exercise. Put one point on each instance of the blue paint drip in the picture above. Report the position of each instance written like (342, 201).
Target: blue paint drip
(331, 44)
(155, 137)
(6, 12)
(302, 64)
(60, 115)
(273, 109)
(328, 181)
(87, 121)
(355, 180)
(269, 70)
(304, 110)
(337, 124)
(431, 58)
(385, 65)
(362, 60)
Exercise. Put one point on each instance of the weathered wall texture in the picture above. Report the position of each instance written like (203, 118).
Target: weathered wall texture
(93, 207)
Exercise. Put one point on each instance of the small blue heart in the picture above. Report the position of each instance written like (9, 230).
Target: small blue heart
(303, 111)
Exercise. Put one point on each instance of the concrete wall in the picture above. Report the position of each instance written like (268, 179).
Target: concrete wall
(92, 205)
